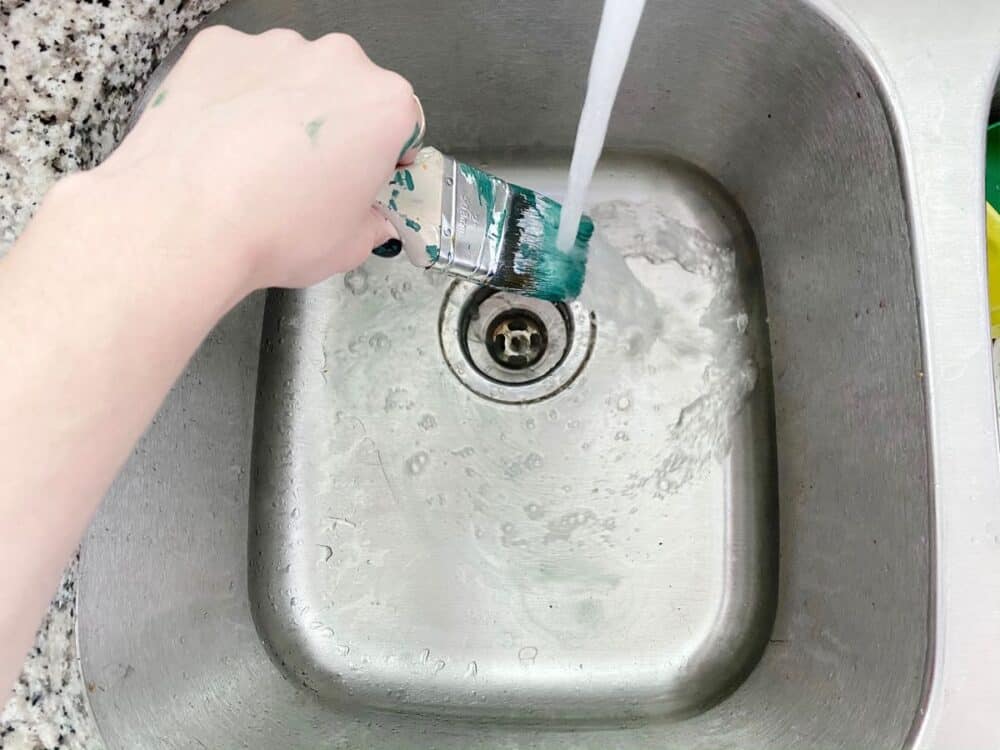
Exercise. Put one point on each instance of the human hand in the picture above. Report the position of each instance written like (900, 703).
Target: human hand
(256, 164)
(260, 156)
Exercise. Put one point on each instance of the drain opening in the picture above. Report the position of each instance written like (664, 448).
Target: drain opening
(516, 339)
(511, 348)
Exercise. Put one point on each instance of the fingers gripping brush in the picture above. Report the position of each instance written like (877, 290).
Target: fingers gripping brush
(459, 220)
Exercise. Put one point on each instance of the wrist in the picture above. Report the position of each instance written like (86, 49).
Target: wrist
(142, 235)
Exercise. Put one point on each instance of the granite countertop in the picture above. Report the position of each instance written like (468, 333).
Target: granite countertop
(70, 71)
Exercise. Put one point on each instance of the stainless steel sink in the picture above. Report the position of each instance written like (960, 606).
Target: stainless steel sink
(397, 548)
(569, 547)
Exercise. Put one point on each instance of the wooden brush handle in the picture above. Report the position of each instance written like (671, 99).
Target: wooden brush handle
(411, 202)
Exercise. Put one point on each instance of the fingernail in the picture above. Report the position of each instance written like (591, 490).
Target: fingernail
(388, 249)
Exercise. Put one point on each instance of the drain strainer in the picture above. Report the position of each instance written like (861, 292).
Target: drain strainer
(510, 348)
(517, 339)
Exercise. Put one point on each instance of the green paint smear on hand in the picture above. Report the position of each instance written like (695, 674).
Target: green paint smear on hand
(313, 126)
(159, 98)
(412, 224)
(433, 251)
(410, 142)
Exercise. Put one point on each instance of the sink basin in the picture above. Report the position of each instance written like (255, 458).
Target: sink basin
(386, 555)
(572, 546)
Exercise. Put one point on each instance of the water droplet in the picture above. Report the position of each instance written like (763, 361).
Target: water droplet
(427, 422)
(344, 650)
(398, 399)
(534, 511)
(425, 655)
(621, 435)
(356, 281)
(325, 552)
(295, 512)
(572, 424)
(472, 670)
(379, 342)
(527, 655)
(553, 415)
(417, 462)
(438, 666)
(533, 461)
(326, 632)
(624, 403)
(292, 601)
(529, 424)
(635, 344)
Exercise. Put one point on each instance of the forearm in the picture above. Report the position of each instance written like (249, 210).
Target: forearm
(99, 312)
(255, 165)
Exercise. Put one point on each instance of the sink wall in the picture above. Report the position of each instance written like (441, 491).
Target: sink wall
(771, 100)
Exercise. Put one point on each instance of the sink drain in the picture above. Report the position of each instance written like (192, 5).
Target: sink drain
(516, 339)
(510, 348)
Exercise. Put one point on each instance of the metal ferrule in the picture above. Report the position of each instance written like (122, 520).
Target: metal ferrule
(471, 228)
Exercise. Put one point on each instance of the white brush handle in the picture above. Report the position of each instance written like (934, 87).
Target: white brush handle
(411, 202)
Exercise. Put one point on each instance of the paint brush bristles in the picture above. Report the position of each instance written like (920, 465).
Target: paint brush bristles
(529, 260)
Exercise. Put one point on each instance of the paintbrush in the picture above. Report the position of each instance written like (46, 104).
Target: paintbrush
(454, 218)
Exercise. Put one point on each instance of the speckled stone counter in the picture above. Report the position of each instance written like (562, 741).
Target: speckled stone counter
(70, 71)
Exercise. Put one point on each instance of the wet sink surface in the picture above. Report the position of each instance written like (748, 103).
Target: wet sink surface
(604, 550)
(449, 592)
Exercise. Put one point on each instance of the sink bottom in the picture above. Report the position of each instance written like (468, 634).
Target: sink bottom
(425, 539)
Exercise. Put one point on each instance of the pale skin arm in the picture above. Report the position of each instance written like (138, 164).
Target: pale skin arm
(255, 165)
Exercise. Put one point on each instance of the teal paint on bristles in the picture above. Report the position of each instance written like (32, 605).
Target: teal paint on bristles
(525, 228)
(530, 262)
